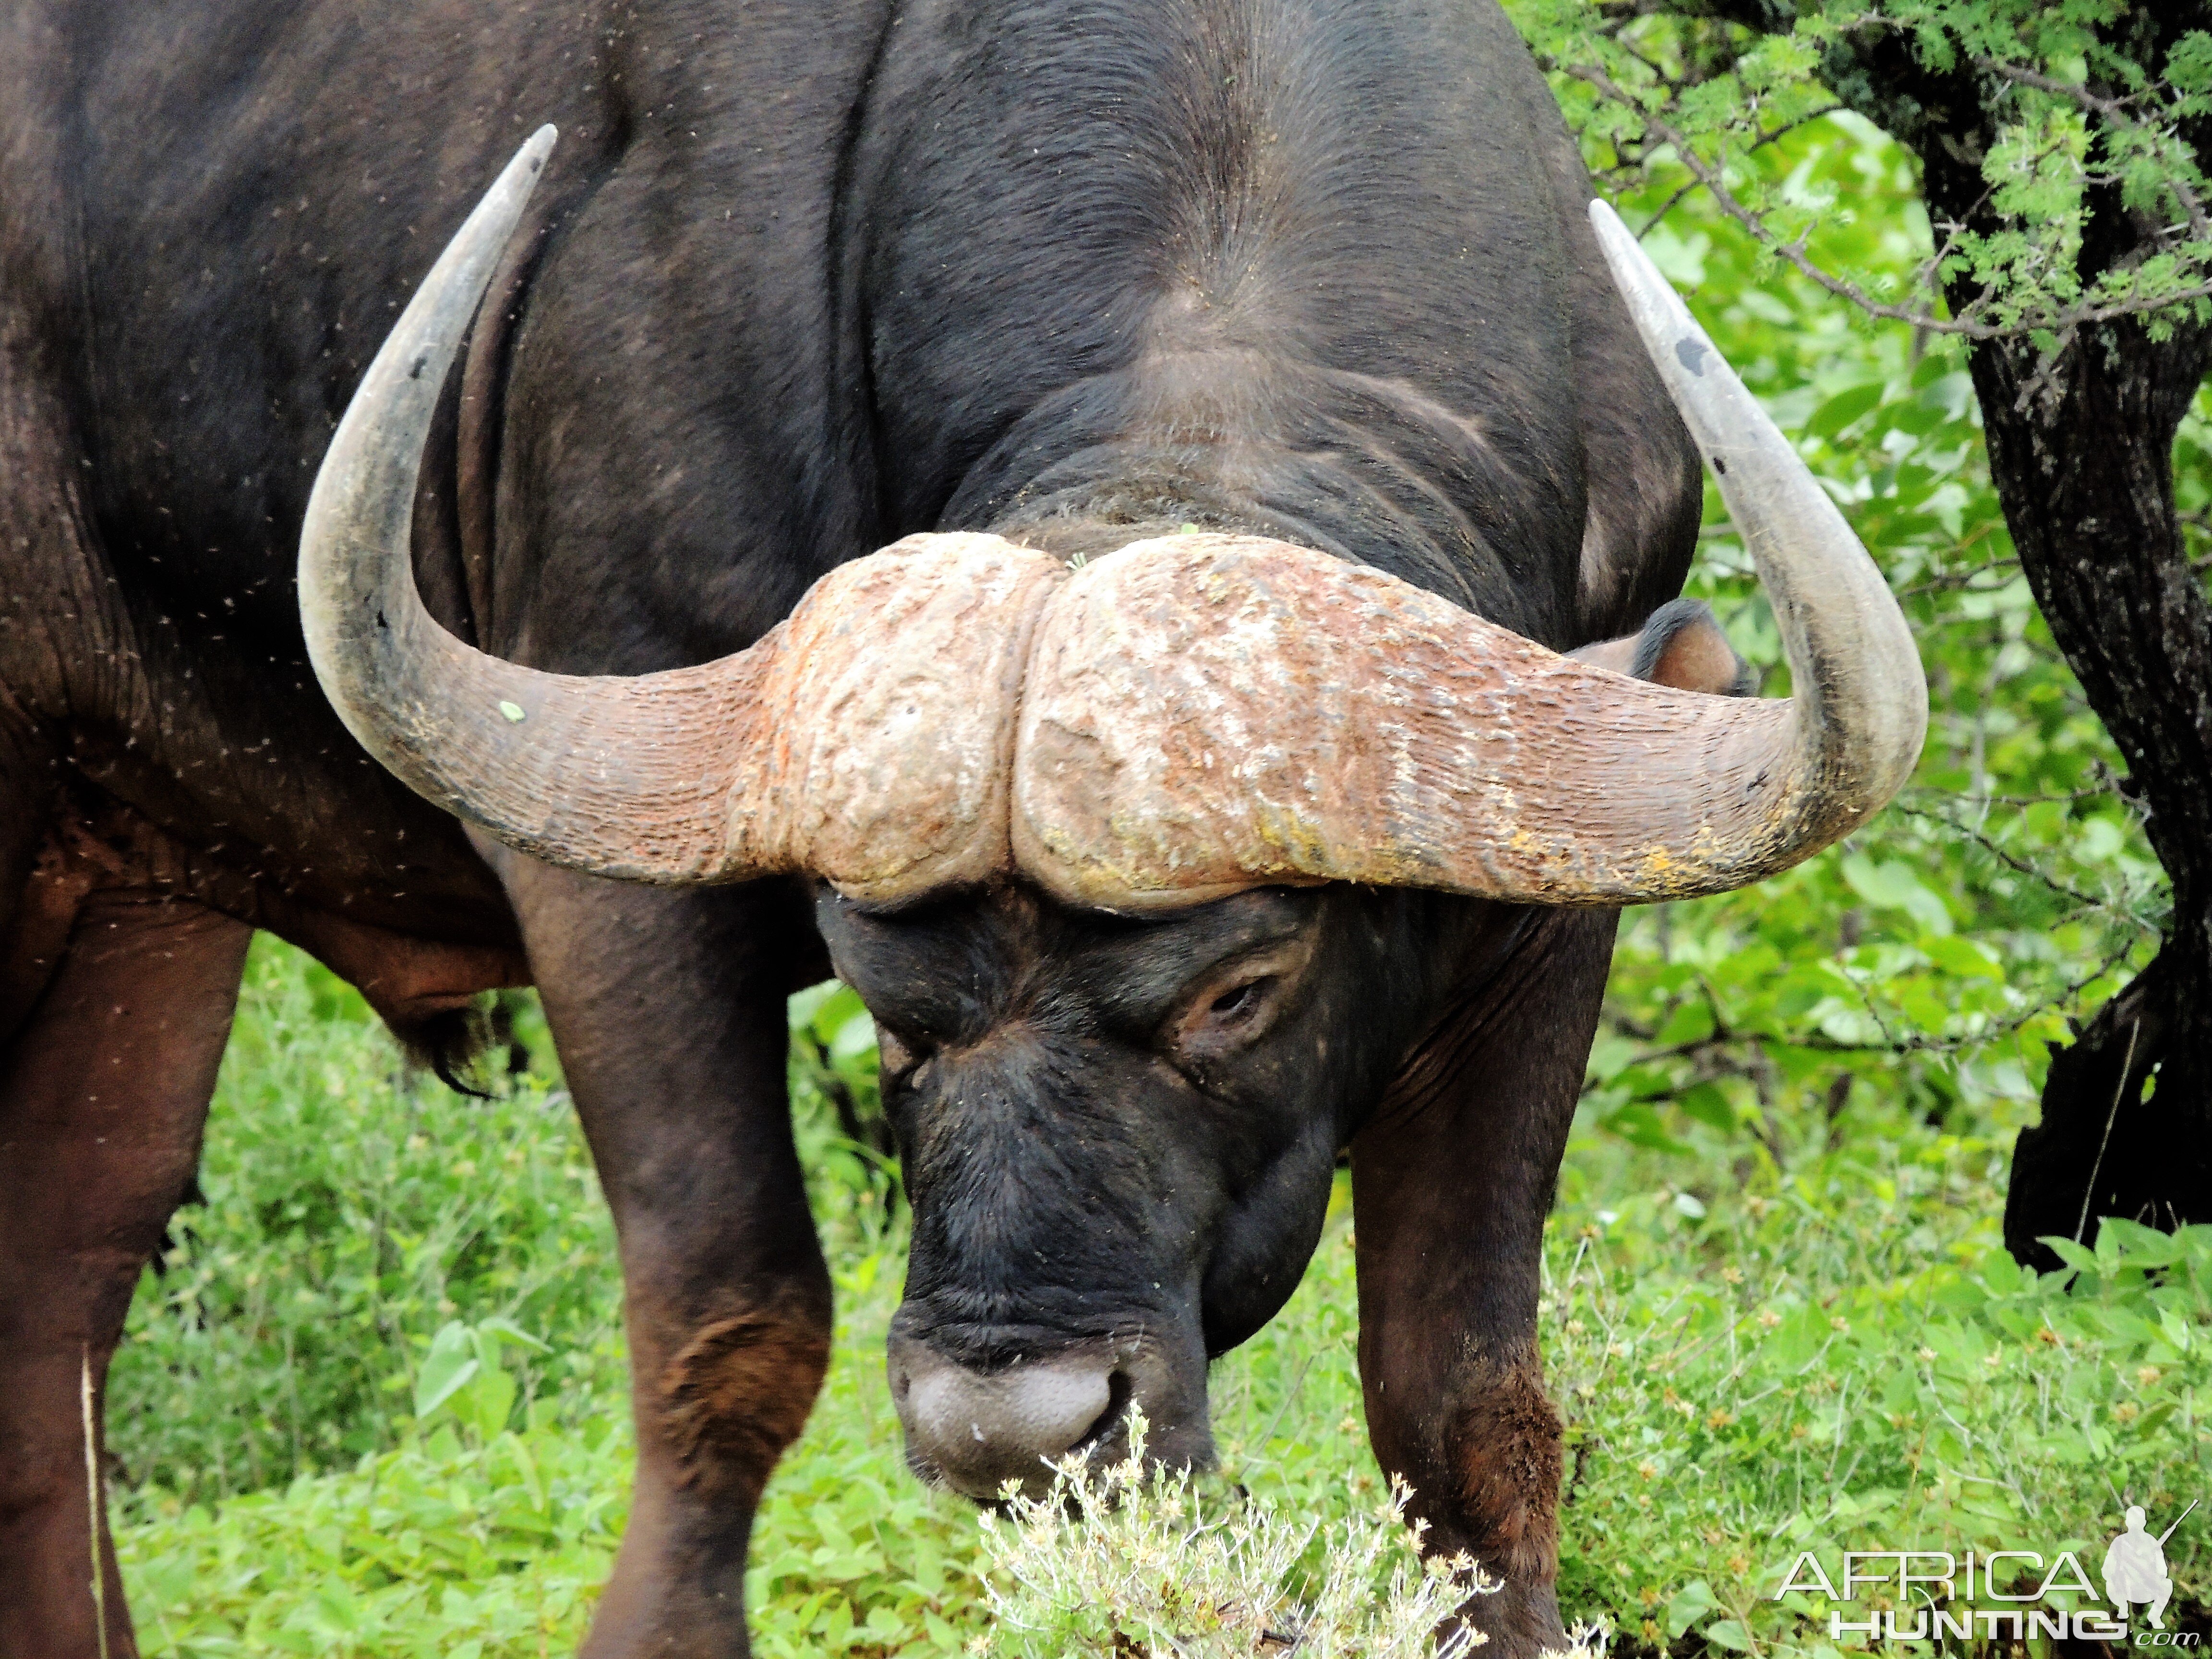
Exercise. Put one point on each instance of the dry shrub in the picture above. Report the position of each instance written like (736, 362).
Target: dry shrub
(1126, 1564)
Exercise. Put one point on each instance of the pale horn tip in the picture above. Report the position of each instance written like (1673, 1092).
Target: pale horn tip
(1860, 694)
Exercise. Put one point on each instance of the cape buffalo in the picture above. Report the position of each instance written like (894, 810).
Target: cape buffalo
(1239, 396)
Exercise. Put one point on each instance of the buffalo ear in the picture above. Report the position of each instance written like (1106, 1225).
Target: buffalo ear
(1682, 646)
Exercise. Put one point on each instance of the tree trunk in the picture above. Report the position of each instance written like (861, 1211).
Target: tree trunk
(2083, 464)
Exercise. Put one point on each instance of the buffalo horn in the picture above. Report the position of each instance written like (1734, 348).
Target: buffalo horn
(1177, 721)
(1202, 714)
(866, 737)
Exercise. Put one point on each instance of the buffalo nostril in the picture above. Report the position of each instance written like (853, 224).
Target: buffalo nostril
(1044, 1408)
(1119, 1392)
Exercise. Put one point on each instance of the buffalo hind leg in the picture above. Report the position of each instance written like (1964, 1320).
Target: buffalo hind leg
(1451, 1185)
(668, 1010)
(103, 1093)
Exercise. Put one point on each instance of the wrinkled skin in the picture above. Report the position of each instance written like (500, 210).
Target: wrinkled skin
(801, 280)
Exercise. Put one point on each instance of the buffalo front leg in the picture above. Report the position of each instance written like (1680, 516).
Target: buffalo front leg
(103, 1093)
(1450, 1184)
(668, 1010)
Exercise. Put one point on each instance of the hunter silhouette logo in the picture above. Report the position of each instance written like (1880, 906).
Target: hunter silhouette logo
(2135, 1568)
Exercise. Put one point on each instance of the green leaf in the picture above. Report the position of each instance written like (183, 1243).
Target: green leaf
(805, 1004)
(2135, 1245)
(447, 1369)
(2073, 1255)
(1846, 407)
(1639, 1125)
(836, 1011)
(1893, 885)
(1689, 1604)
(509, 1331)
(486, 1402)
(2002, 1273)
(1797, 1339)
(1963, 957)
(855, 1036)
(1727, 1633)
(1706, 1104)
(1692, 1023)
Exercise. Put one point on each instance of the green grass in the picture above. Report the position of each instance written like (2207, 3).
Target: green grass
(1750, 1361)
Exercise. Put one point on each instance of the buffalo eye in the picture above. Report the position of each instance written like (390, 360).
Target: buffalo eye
(1227, 1015)
(1233, 1006)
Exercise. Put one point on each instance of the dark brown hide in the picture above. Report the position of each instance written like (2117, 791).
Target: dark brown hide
(738, 1393)
(728, 1306)
(103, 1090)
(1507, 1438)
(799, 282)
(412, 982)
(1451, 1182)
(1681, 646)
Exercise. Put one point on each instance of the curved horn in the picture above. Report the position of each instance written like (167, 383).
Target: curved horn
(865, 738)
(1204, 714)
(1856, 687)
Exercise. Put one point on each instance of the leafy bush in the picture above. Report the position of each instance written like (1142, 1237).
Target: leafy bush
(395, 1304)
(440, 1549)
(1931, 958)
(352, 1209)
(1718, 1420)
(1859, 1364)
(460, 1546)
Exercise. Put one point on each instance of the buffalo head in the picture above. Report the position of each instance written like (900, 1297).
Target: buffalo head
(1132, 861)
(1117, 1133)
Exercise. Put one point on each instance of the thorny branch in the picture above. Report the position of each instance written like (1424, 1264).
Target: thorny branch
(1922, 1043)
(2115, 111)
(1952, 582)
(1764, 139)
(1965, 323)
(1989, 846)
(1726, 1053)
(2097, 791)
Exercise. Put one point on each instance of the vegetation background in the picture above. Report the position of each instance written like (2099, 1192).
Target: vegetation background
(372, 1401)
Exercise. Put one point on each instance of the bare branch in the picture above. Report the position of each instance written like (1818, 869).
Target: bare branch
(2097, 791)
(2026, 869)
(1920, 1043)
(1953, 581)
